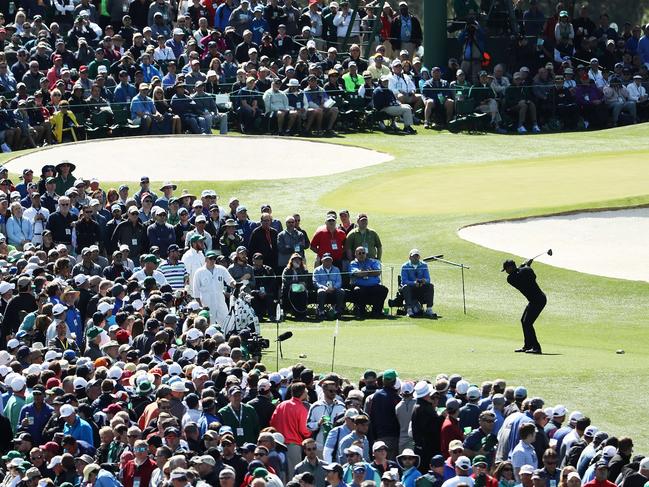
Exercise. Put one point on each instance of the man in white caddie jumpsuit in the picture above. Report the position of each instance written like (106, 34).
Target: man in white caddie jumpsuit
(208, 287)
(194, 260)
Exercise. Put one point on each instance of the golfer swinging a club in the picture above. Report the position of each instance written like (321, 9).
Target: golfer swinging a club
(524, 279)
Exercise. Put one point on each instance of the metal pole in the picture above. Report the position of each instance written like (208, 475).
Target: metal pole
(333, 355)
(463, 291)
(435, 16)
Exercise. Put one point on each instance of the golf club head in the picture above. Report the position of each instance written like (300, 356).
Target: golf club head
(550, 252)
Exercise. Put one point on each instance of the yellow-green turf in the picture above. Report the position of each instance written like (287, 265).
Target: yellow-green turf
(439, 182)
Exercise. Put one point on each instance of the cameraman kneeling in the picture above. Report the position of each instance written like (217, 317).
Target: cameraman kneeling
(416, 286)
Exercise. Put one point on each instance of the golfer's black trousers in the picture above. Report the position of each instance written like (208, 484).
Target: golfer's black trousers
(531, 313)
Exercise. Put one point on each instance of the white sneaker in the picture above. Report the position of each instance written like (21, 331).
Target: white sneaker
(410, 312)
(5, 148)
(522, 130)
(536, 129)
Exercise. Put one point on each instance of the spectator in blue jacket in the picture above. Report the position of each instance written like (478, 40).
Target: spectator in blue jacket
(20, 230)
(416, 286)
(385, 425)
(161, 233)
(328, 283)
(75, 426)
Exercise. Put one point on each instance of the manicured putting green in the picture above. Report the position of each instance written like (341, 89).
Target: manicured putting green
(500, 187)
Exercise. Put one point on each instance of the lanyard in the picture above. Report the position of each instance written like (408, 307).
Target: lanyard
(240, 416)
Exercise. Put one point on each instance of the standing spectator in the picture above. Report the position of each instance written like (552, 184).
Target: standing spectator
(290, 419)
(425, 423)
(385, 425)
(406, 33)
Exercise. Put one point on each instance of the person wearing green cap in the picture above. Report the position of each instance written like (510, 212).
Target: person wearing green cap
(385, 425)
(150, 263)
(209, 287)
(93, 335)
(481, 472)
(194, 258)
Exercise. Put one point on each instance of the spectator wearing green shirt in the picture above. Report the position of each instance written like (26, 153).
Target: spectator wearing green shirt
(17, 400)
(240, 417)
(100, 60)
(365, 237)
(352, 79)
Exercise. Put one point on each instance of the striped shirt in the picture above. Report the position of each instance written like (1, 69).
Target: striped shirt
(174, 273)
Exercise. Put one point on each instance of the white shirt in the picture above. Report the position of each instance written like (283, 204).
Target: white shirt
(342, 23)
(457, 480)
(401, 84)
(597, 77)
(193, 260)
(635, 93)
(159, 277)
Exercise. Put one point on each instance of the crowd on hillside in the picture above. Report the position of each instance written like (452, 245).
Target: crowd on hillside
(71, 69)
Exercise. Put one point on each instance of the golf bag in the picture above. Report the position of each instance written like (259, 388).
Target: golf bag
(241, 316)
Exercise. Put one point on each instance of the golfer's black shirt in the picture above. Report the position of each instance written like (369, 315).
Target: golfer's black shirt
(524, 280)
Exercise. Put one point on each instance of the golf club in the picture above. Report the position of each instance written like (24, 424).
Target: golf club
(433, 257)
(548, 252)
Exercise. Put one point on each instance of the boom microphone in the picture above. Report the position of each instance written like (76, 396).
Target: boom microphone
(284, 336)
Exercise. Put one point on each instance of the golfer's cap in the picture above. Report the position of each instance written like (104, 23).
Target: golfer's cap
(520, 392)
(526, 470)
(508, 263)
(463, 463)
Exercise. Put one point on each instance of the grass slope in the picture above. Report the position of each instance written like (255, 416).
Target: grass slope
(439, 182)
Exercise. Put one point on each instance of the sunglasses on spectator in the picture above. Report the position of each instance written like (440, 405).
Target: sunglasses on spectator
(312, 448)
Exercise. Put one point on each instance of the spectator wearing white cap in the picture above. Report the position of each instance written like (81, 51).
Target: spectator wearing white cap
(558, 417)
(573, 436)
(404, 410)
(15, 403)
(462, 470)
(384, 100)
(470, 412)
(75, 426)
(358, 436)
(562, 432)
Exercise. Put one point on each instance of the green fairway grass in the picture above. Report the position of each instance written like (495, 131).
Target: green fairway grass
(439, 182)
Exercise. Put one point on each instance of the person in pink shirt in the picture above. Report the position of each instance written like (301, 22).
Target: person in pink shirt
(289, 418)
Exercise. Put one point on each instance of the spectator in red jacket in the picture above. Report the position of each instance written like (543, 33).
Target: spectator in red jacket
(140, 467)
(451, 426)
(329, 239)
(289, 418)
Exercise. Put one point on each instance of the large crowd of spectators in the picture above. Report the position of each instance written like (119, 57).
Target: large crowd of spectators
(71, 69)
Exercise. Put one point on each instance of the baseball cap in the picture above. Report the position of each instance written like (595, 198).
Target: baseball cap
(463, 463)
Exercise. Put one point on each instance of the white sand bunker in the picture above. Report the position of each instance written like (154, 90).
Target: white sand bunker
(206, 158)
(604, 243)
